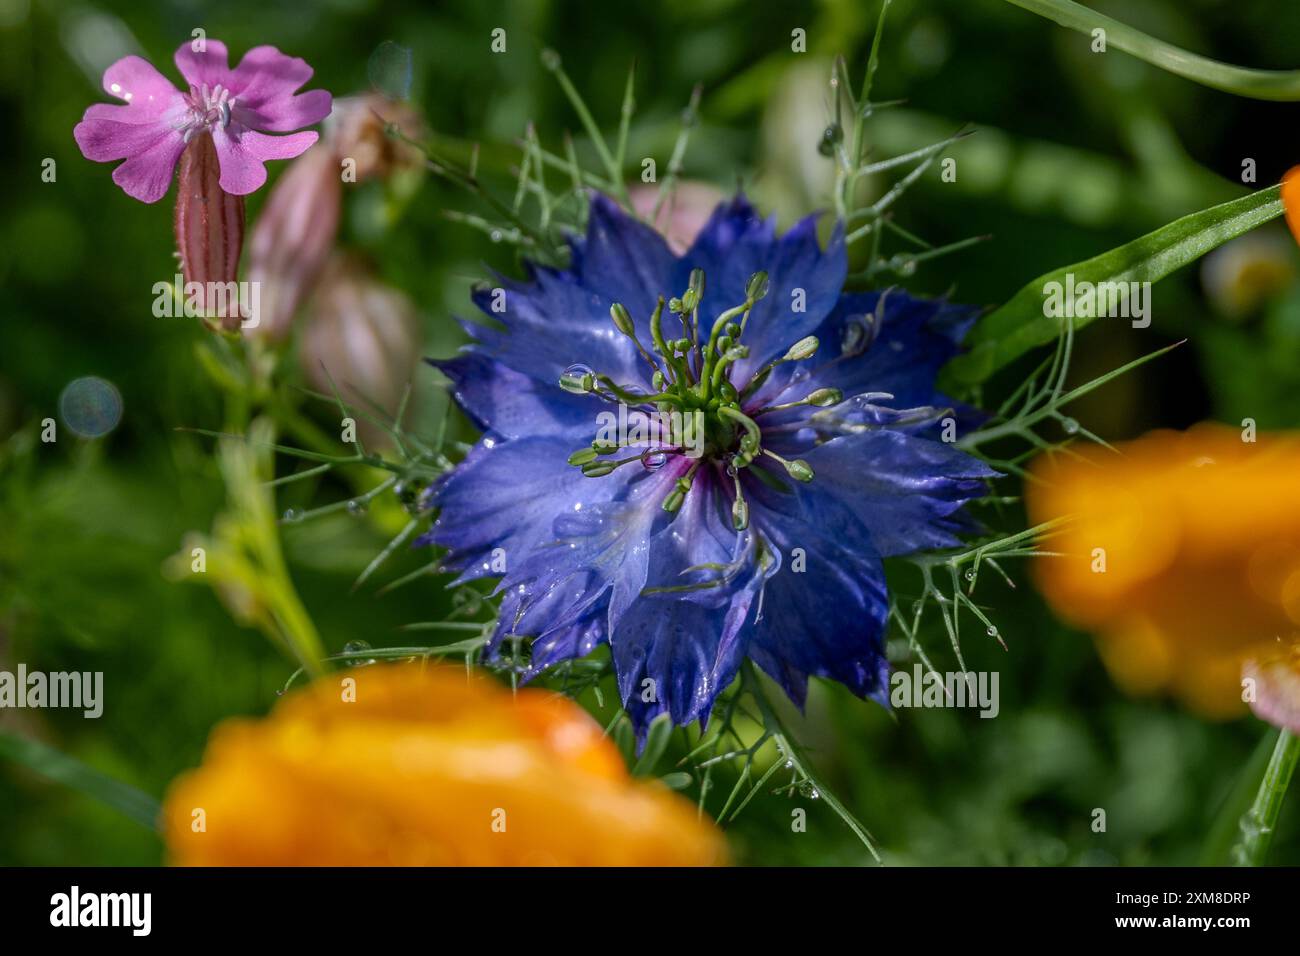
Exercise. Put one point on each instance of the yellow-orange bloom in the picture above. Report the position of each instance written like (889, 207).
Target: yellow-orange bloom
(1291, 200)
(1181, 555)
(411, 765)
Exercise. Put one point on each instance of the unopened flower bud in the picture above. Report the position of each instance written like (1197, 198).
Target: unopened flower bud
(293, 238)
(366, 336)
(361, 134)
(209, 232)
(757, 287)
(825, 397)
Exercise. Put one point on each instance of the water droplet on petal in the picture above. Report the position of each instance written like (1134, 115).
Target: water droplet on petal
(654, 460)
(856, 336)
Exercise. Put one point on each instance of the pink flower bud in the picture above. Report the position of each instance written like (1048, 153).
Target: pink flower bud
(293, 237)
(357, 132)
(681, 215)
(209, 231)
(365, 335)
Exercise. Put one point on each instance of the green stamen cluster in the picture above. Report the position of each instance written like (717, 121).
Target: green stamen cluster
(692, 377)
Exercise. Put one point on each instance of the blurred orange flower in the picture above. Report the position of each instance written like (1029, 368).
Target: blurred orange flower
(1181, 554)
(1291, 200)
(411, 765)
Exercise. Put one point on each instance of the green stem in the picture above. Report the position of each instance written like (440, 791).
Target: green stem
(787, 745)
(1283, 85)
(1258, 823)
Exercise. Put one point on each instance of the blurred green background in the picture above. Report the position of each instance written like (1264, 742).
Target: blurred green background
(1075, 154)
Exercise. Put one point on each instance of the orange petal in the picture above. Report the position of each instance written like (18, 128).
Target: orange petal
(1291, 200)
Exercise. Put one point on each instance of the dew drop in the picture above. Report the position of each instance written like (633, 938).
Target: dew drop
(904, 265)
(495, 235)
(654, 460)
(358, 506)
(578, 371)
(358, 647)
(831, 137)
(992, 631)
(1070, 425)
(970, 575)
(291, 515)
(856, 336)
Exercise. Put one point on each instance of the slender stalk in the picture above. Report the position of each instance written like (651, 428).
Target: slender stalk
(1259, 84)
(786, 744)
(1259, 822)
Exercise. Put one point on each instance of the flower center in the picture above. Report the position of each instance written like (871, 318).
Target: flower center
(206, 108)
(696, 405)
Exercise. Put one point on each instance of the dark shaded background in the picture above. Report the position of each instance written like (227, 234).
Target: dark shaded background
(1076, 153)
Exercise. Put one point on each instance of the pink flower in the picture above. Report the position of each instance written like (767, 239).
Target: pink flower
(236, 107)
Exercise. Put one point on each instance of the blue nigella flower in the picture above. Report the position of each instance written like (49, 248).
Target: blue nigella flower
(767, 439)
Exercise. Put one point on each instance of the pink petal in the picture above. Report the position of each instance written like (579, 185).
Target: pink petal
(147, 175)
(1277, 686)
(241, 155)
(289, 113)
(266, 74)
(135, 81)
(210, 66)
(107, 132)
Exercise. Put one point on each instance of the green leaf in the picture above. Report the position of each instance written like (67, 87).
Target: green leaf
(1020, 325)
(1258, 84)
(60, 768)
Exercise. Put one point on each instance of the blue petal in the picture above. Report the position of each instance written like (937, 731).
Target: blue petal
(499, 399)
(824, 603)
(736, 243)
(551, 323)
(624, 260)
(506, 496)
(905, 491)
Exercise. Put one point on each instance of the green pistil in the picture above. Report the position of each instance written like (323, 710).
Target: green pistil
(673, 503)
(798, 469)
(739, 509)
(804, 349)
(693, 378)
(599, 469)
(821, 398)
